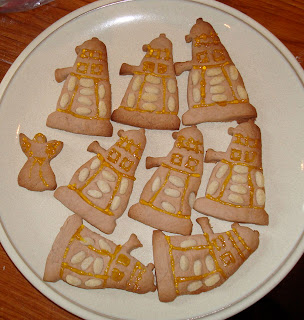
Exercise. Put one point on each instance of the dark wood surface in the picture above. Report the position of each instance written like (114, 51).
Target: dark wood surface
(18, 298)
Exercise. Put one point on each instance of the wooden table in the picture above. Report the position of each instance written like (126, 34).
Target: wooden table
(18, 298)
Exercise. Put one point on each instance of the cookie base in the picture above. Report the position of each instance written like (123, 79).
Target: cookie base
(74, 202)
(239, 112)
(67, 122)
(146, 119)
(164, 277)
(54, 259)
(225, 212)
(160, 220)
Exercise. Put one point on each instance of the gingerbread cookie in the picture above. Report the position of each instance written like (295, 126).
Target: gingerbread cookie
(85, 259)
(84, 105)
(151, 99)
(199, 263)
(168, 197)
(216, 91)
(99, 190)
(236, 191)
(37, 174)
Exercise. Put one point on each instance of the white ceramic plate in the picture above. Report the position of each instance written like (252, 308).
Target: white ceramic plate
(274, 81)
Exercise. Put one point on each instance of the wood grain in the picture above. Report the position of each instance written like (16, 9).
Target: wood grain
(18, 298)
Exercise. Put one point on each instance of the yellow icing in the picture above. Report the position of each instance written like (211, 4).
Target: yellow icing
(91, 54)
(119, 174)
(68, 109)
(239, 251)
(202, 57)
(203, 69)
(117, 275)
(227, 258)
(180, 279)
(226, 181)
(190, 144)
(82, 67)
(129, 146)
(246, 141)
(65, 265)
(163, 110)
(218, 55)
(200, 40)
(176, 159)
(179, 213)
(141, 270)
(126, 164)
(96, 69)
(191, 163)
(196, 175)
(113, 155)
(157, 53)
(123, 259)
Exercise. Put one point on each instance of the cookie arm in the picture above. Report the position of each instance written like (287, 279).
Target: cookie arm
(152, 162)
(62, 74)
(214, 156)
(127, 69)
(132, 243)
(180, 67)
(96, 148)
(205, 225)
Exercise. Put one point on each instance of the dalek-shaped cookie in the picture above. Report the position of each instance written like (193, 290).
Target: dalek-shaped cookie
(37, 174)
(84, 259)
(99, 190)
(168, 197)
(199, 263)
(151, 99)
(236, 191)
(216, 91)
(84, 105)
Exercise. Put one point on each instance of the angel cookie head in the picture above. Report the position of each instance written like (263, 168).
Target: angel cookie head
(84, 105)
(37, 174)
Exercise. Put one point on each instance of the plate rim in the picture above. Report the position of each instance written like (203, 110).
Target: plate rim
(228, 310)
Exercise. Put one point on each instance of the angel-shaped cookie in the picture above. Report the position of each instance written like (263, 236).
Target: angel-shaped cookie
(37, 174)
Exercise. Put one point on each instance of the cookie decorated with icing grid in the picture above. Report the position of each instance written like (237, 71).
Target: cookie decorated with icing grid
(84, 105)
(236, 190)
(84, 259)
(168, 197)
(151, 99)
(198, 263)
(99, 191)
(216, 91)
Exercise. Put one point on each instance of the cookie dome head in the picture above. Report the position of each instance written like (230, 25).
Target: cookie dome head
(202, 34)
(189, 138)
(245, 145)
(92, 49)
